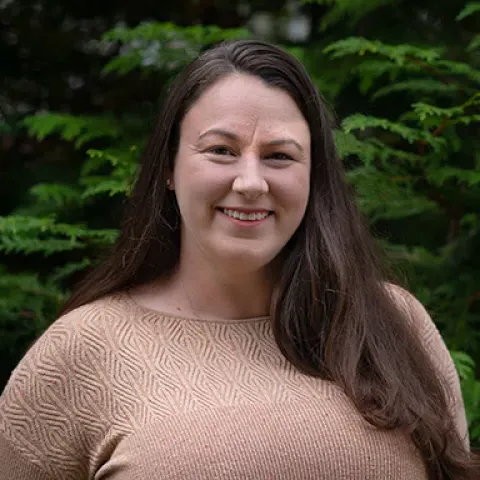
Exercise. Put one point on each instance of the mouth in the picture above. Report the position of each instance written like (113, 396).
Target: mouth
(244, 215)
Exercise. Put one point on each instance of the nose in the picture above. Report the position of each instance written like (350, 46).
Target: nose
(250, 181)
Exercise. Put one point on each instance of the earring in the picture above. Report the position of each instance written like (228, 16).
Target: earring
(168, 182)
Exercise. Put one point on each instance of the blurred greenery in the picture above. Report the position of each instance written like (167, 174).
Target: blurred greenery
(81, 84)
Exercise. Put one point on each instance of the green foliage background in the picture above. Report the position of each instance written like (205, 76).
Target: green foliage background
(402, 77)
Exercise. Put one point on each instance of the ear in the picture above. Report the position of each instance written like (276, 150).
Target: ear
(170, 183)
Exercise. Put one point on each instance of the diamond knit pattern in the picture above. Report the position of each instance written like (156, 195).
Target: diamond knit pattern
(113, 390)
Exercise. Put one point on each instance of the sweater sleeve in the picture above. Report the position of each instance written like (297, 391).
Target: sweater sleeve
(15, 465)
(438, 351)
(41, 436)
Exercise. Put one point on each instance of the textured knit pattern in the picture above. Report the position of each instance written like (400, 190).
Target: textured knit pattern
(113, 390)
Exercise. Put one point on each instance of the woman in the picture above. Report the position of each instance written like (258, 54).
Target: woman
(241, 328)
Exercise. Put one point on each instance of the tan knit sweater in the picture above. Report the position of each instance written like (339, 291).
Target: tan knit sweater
(113, 390)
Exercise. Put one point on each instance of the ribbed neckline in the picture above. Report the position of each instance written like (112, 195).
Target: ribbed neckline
(128, 298)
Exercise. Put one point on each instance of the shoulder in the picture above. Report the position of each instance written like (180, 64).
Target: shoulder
(57, 347)
(422, 324)
(60, 348)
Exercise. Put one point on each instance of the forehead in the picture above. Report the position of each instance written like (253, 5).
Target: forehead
(244, 102)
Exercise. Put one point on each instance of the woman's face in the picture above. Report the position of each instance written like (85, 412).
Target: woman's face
(241, 174)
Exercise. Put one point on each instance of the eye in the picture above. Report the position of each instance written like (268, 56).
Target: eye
(220, 151)
(279, 156)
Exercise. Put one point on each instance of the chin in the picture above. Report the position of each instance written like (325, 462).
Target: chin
(245, 261)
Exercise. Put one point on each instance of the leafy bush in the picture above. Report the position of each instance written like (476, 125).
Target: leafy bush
(413, 159)
(418, 169)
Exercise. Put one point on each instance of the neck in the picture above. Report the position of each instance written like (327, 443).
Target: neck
(212, 293)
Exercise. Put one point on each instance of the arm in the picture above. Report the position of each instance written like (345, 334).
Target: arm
(15, 465)
(40, 435)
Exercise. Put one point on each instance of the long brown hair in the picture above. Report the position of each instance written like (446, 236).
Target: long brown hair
(332, 315)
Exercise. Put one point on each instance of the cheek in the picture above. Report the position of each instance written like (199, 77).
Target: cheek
(199, 185)
(293, 192)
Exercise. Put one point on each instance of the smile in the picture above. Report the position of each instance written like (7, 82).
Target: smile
(252, 216)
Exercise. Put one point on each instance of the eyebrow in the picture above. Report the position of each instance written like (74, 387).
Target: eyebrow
(233, 136)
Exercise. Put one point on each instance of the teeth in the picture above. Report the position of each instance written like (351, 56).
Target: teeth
(245, 216)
